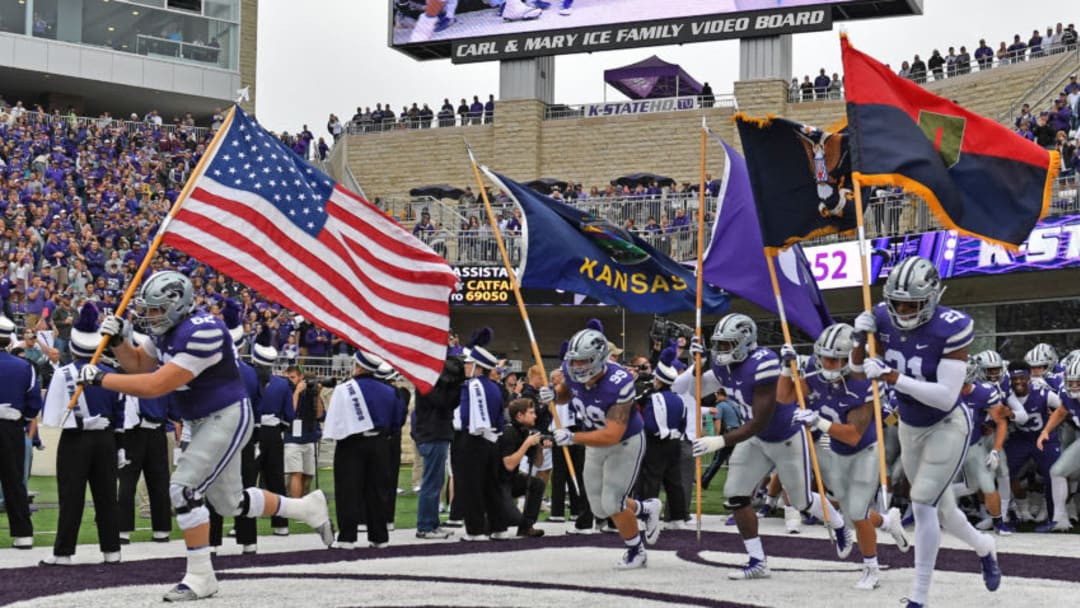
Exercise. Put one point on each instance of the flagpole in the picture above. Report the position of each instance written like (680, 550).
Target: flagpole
(798, 389)
(697, 322)
(512, 277)
(871, 346)
(152, 250)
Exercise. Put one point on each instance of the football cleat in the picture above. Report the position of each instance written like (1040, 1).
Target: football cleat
(792, 520)
(755, 568)
(567, 8)
(634, 558)
(1053, 526)
(444, 22)
(436, 534)
(985, 524)
(910, 603)
(868, 581)
(1004, 528)
(650, 515)
(317, 516)
(517, 10)
(730, 521)
(193, 587)
(991, 572)
(541, 4)
(896, 530)
(845, 540)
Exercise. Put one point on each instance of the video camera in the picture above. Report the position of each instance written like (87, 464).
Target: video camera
(663, 330)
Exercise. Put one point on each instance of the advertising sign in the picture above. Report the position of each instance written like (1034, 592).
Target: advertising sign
(487, 30)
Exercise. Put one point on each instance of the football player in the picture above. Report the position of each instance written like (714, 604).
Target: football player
(1068, 463)
(925, 358)
(191, 353)
(748, 374)
(843, 408)
(601, 394)
(1039, 401)
(1043, 360)
(984, 402)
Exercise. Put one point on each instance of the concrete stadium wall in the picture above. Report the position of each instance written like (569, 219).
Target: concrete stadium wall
(592, 151)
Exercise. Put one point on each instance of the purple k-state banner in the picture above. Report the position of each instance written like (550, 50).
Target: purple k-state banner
(735, 260)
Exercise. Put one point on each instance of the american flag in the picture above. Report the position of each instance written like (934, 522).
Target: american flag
(262, 215)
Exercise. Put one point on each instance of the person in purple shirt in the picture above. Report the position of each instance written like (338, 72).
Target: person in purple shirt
(476, 111)
(424, 227)
(821, 84)
(489, 110)
(191, 349)
(925, 359)
(843, 408)
(984, 56)
(749, 374)
(602, 395)
(318, 342)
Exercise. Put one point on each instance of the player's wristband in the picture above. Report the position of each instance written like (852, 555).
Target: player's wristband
(823, 425)
(858, 369)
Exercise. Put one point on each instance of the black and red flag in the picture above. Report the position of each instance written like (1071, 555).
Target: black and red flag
(978, 176)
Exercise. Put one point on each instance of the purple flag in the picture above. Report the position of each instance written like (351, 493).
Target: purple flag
(735, 259)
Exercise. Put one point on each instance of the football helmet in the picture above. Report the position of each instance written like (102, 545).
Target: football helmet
(914, 280)
(1072, 378)
(835, 342)
(1067, 360)
(1042, 355)
(734, 338)
(586, 355)
(971, 373)
(991, 366)
(164, 301)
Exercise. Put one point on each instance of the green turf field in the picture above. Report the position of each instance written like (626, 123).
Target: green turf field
(47, 511)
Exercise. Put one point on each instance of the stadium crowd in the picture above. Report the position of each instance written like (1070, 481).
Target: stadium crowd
(1058, 39)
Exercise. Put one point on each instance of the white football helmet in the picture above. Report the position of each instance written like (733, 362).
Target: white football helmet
(1042, 355)
(836, 342)
(991, 366)
(166, 299)
(734, 338)
(1072, 378)
(586, 355)
(914, 280)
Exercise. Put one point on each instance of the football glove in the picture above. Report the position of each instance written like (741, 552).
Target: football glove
(708, 445)
(865, 323)
(787, 355)
(992, 460)
(563, 437)
(91, 375)
(697, 347)
(875, 368)
(546, 395)
(117, 329)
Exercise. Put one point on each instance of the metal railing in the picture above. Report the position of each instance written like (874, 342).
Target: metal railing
(394, 122)
(636, 106)
(836, 91)
(131, 126)
(1042, 88)
(887, 214)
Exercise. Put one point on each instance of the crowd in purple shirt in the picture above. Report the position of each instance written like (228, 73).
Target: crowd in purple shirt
(80, 202)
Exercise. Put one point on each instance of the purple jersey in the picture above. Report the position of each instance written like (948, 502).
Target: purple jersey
(1072, 406)
(917, 352)
(201, 345)
(739, 382)
(1036, 404)
(835, 401)
(978, 403)
(592, 404)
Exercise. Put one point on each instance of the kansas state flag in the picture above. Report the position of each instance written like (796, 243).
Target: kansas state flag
(569, 249)
(801, 177)
(978, 177)
(736, 260)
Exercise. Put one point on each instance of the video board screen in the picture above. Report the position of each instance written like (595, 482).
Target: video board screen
(487, 30)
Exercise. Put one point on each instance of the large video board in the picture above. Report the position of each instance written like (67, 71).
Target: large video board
(490, 30)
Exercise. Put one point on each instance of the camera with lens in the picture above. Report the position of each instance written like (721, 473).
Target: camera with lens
(664, 330)
(329, 382)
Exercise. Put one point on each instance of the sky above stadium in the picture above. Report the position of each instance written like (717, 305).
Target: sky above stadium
(327, 56)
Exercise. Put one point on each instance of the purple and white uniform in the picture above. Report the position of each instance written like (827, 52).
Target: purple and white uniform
(1068, 462)
(610, 472)
(983, 397)
(851, 472)
(933, 441)
(214, 405)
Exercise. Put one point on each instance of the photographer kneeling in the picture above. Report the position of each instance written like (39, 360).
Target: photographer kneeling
(521, 440)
